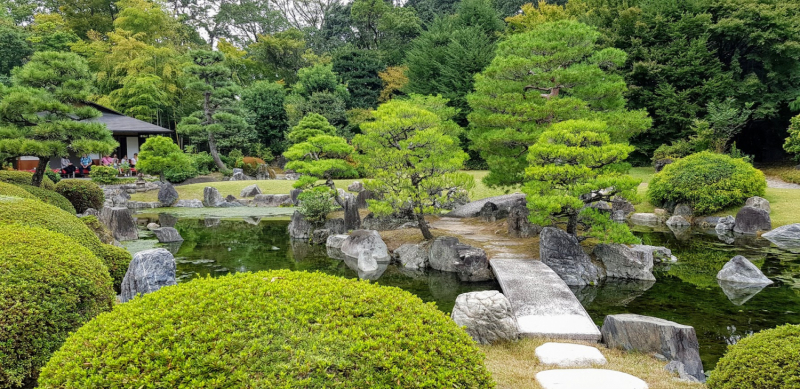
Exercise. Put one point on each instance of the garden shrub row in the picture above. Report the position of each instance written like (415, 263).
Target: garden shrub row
(11, 190)
(82, 194)
(276, 329)
(50, 197)
(49, 286)
(17, 177)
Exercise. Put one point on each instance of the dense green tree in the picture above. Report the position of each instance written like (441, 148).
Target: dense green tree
(213, 81)
(573, 165)
(244, 20)
(310, 126)
(382, 26)
(792, 144)
(265, 102)
(318, 90)
(552, 73)
(43, 114)
(430, 10)
(14, 47)
(49, 32)
(84, 16)
(159, 154)
(412, 155)
(358, 69)
(321, 157)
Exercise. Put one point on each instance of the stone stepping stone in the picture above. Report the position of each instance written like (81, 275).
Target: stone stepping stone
(569, 355)
(588, 379)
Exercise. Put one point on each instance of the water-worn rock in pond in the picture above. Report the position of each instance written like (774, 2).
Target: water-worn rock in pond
(741, 270)
(562, 252)
(120, 222)
(149, 271)
(751, 220)
(621, 261)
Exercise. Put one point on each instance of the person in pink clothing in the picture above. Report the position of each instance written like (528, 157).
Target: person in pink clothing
(106, 161)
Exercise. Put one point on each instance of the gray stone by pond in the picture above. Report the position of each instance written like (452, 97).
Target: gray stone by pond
(473, 209)
(562, 252)
(487, 316)
(786, 237)
(149, 271)
(741, 270)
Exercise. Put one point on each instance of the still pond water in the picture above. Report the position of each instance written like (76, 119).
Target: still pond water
(686, 292)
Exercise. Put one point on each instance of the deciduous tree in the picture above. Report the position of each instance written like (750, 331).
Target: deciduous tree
(159, 154)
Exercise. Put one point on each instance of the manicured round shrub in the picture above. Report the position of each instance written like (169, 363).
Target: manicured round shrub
(50, 197)
(768, 359)
(82, 194)
(116, 260)
(35, 213)
(275, 329)
(49, 286)
(12, 190)
(707, 181)
(17, 177)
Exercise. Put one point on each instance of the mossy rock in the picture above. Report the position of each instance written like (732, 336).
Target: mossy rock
(17, 177)
(100, 230)
(49, 286)
(12, 190)
(82, 194)
(275, 329)
(50, 197)
(768, 359)
(34, 213)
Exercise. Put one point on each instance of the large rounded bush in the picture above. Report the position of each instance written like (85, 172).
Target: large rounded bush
(768, 359)
(12, 190)
(276, 329)
(116, 260)
(82, 194)
(17, 177)
(707, 181)
(50, 197)
(49, 286)
(35, 213)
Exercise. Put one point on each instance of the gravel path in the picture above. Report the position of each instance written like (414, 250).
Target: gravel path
(775, 182)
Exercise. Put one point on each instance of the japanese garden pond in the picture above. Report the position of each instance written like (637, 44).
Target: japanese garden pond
(685, 292)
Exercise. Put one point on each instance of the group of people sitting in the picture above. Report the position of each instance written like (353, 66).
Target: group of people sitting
(124, 165)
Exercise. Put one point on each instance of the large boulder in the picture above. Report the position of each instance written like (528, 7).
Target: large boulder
(473, 209)
(758, 202)
(250, 191)
(487, 316)
(518, 224)
(352, 220)
(386, 223)
(678, 221)
(562, 253)
(211, 197)
(725, 224)
(149, 271)
(356, 186)
(365, 241)
(120, 222)
(412, 256)
(786, 237)
(646, 219)
(751, 220)
(489, 212)
(193, 203)
(320, 236)
(660, 254)
(621, 261)
(741, 270)
(299, 228)
(272, 200)
(447, 254)
(334, 244)
(167, 235)
(621, 208)
(167, 195)
(676, 342)
(684, 210)
(294, 194)
(361, 199)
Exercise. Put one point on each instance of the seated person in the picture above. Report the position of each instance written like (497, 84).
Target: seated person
(67, 168)
(106, 160)
(86, 164)
(134, 160)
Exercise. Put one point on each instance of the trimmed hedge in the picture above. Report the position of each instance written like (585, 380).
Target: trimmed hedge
(35, 213)
(116, 260)
(275, 329)
(49, 286)
(100, 230)
(12, 190)
(50, 197)
(707, 181)
(17, 177)
(82, 194)
(768, 359)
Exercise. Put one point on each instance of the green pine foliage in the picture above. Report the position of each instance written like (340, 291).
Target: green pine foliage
(766, 359)
(707, 181)
(309, 126)
(268, 115)
(292, 330)
(160, 154)
(575, 164)
(82, 194)
(412, 155)
(358, 70)
(321, 157)
(49, 287)
(318, 90)
(552, 73)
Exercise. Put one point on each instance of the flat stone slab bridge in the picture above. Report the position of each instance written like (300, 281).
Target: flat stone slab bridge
(543, 304)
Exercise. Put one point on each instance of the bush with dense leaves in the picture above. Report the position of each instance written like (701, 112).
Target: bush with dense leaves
(768, 359)
(17, 177)
(275, 329)
(34, 213)
(53, 176)
(116, 260)
(82, 194)
(316, 204)
(12, 190)
(707, 181)
(49, 286)
(250, 165)
(50, 197)
(105, 175)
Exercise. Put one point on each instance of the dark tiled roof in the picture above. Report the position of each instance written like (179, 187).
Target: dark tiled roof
(119, 123)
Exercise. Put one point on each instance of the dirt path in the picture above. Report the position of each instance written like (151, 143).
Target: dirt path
(775, 182)
(492, 237)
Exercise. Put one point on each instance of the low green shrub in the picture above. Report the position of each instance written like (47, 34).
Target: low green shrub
(176, 176)
(49, 286)
(100, 230)
(316, 204)
(50, 197)
(275, 329)
(105, 175)
(707, 181)
(53, 176)
(17, 177)
(678, 149)
(34, 213)
(82, 194)
(767, 359)
(12, 190)
(116, 260)
(203, 162)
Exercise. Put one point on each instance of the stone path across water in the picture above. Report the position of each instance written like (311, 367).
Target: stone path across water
(494, 244)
